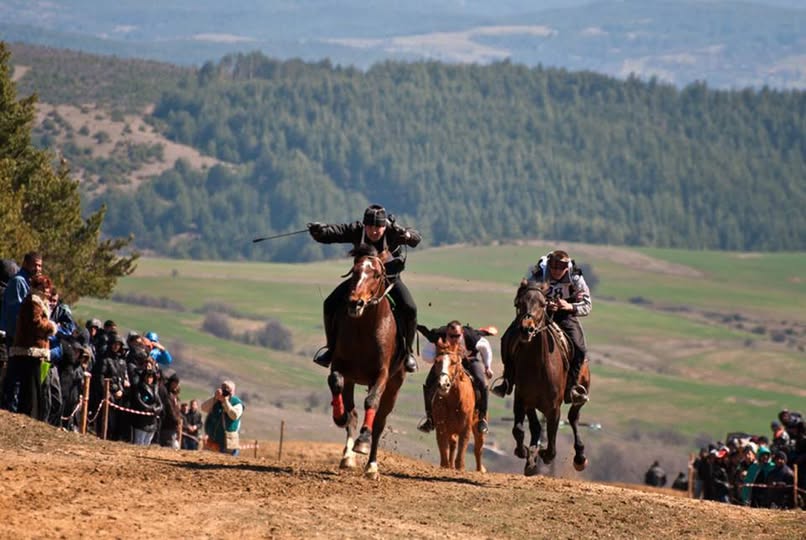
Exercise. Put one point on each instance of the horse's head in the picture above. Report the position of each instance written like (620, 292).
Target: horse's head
(448, 363)
(368, 278)
(530, 309)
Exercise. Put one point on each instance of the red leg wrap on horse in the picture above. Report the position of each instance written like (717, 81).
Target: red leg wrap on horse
(369, 418)
(338, 407)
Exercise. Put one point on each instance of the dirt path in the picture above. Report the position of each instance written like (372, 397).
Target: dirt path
(63, 485)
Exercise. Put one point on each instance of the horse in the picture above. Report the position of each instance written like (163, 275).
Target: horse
(365, 353)
(454, 411)
(540, 354)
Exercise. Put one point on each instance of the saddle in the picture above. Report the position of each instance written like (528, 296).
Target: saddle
(558, 338)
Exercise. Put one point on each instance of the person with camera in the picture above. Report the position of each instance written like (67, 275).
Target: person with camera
(379, 230)
(223, 422)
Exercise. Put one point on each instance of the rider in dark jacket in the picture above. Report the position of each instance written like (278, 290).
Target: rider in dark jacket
(379, 230)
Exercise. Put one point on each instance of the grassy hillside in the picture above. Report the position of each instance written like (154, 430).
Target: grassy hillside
(698, 356)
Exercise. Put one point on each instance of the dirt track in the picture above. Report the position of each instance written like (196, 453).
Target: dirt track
(63, 485)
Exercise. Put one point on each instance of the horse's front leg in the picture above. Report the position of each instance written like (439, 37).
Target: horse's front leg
(552, 423)
(371, 404)
(444, 446)
(518, 431)
(532, 467)
(387, 403)
(461, 448)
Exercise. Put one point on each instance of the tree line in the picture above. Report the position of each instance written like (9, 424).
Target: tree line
(470, 153)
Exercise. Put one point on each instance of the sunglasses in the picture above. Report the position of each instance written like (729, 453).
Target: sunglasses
(454, 336)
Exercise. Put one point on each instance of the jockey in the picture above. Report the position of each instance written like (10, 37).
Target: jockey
(378, 230)
(568, 299)
(474, 345)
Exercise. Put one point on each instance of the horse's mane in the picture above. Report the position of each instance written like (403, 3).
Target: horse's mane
(525, 286)
(364, 250)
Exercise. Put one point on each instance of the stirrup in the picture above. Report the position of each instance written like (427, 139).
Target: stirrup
(482, 426)
(502, 389)
(426, 425)
(579, 395)
(410, 363)
(322, 357)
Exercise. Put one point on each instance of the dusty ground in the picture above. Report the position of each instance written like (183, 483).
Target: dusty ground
(64, 485)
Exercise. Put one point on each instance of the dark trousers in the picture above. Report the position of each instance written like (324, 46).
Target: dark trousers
(23, 372)
(572, 328)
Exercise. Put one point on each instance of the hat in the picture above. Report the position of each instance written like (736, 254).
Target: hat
(96, 323)
(152, 336)
(763, 451)
(114, 337)
(375, 215)
(132, 334)
(722, 452)
(108, 323)
(775, 424)
(751, 447)
(780, 454)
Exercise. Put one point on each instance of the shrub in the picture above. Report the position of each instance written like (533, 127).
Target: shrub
(218, 325)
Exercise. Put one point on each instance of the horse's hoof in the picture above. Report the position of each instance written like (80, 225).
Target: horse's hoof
(342, 422)
(545, 456)
(531, 469)
(371, 472)
(520, 452)
(347, 463)
(580, 466)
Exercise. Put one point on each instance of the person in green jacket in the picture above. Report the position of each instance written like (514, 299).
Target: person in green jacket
(223, 422)
(756, 473)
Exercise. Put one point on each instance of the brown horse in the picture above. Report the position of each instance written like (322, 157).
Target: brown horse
(453, 410)
(540, 353)
(366, 354)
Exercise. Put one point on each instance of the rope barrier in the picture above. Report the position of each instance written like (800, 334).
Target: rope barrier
(97, 412)
(125, 409)
(78, 406)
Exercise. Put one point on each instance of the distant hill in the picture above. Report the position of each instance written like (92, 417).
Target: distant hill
(729, 44)
(465, 153)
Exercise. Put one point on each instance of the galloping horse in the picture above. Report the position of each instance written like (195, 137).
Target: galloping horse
(366, 353)
(454, 409)
(541, 354)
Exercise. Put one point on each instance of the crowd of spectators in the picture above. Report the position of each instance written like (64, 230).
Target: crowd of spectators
(46, 355)
(756, 470)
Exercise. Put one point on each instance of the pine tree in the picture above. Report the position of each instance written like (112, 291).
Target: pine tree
(40, 207)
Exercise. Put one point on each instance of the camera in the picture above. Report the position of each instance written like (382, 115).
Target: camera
(225, 391)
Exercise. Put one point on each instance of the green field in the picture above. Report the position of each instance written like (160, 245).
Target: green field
(666, 364)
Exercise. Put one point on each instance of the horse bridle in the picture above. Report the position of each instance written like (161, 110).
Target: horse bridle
(375, 298)
(541, 324)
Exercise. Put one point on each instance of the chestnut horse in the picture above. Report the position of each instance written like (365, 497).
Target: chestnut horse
(540, 354)
(366, 354)
(454, 409)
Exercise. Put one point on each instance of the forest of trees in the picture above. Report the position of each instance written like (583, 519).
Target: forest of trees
(468, 153)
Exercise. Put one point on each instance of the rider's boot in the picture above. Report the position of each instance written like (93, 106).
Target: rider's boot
(504, 388)
(482, 426)
(574, 392)
(410, 362)
(323, 355)
(427, 425)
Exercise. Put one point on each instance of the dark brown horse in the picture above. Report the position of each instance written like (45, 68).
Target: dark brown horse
(455, 417)
(365, 354)
(540, 353)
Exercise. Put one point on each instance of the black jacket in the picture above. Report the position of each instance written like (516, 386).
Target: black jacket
(392, 240)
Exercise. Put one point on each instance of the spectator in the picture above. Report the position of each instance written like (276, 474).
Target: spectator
(681, 482)
(223, 422)
(780, 437)
(192, 424)
(720, 475)
(790, 421)
(765, 465)
(32, 330)
(655, 476)
(8, 269)
(780, 481)
(158, 352)
(113, 367)
(171, 414)
(16, 290)
(702, 471)
(146, 400)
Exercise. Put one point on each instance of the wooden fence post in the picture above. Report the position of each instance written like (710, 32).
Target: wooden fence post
(255, 447)
(85, 405)
(106, 406)
(795, 487)
(280, 449)
(691, 475)
(179, 432)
